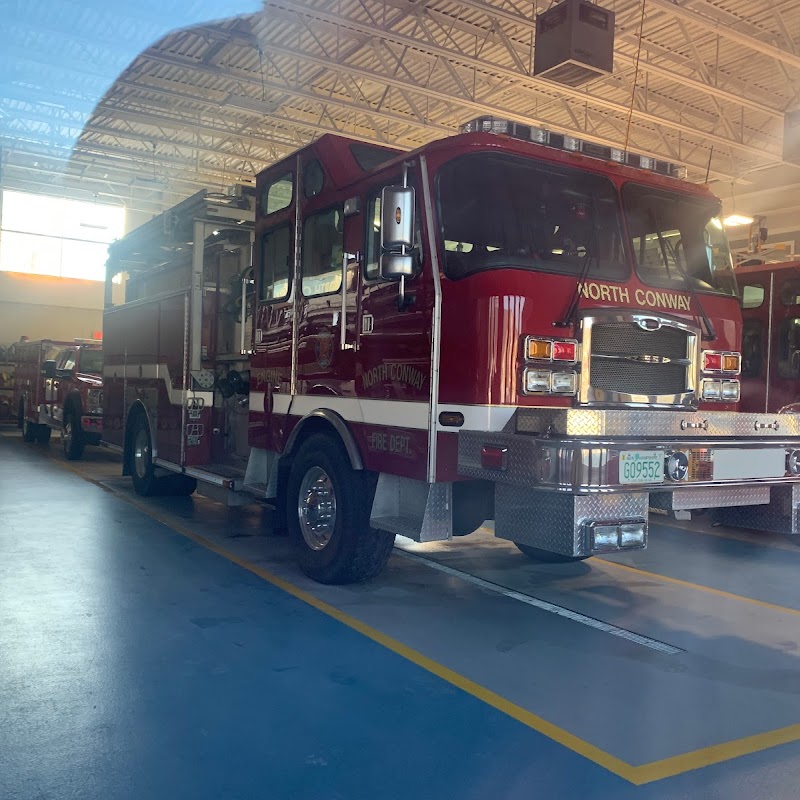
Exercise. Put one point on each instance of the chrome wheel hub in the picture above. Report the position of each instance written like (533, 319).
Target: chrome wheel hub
(316, 508)
(141, 453)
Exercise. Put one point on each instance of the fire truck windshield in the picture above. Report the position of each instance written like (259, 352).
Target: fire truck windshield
(676, 239)
(500, 211)
(91, 361)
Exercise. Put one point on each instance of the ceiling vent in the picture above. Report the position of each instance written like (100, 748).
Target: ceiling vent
(574, 43)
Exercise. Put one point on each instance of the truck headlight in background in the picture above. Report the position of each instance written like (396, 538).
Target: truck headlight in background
(543, 381)
(723, 391)
(607, 536)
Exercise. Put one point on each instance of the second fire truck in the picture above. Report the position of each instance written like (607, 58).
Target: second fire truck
(506, 325)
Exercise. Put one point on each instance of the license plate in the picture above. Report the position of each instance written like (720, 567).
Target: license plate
(641, 466)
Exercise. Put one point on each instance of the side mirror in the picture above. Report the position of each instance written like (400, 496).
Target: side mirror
(49, 369)
(397, 232)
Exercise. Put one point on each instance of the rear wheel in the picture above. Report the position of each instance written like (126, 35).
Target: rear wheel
(145, 481)
(43, 434)
(142, 470)
(327, 511)
(545, 556)
(72, 439)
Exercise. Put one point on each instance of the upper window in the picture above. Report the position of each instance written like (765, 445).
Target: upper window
(277, 195)
(55, 236)
(752, 295)
(500, 211)
(274, 278)
(323, 252)
(313, 178)
(370, 156)
(790, 293)
(678, 240)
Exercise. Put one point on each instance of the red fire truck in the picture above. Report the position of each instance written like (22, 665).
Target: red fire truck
(770, 295)
(60, 386)
(506, 325)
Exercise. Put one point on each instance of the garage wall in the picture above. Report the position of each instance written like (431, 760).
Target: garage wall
(42, 307)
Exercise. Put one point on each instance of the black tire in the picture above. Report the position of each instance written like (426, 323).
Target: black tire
(21, 415)
(43, 434)
(176, 485)
(141, 455)
(72, 438)
(30, 430)
(353, 552)
(546, 557)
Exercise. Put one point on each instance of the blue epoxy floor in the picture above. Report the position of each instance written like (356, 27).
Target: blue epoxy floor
(135, 663)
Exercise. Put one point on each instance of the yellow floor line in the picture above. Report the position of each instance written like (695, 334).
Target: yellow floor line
(740, 598)
(637, 775)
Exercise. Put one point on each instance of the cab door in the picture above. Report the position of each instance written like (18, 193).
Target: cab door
(56, 388)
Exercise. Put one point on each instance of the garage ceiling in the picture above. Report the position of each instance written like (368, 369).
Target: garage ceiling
(210, 105)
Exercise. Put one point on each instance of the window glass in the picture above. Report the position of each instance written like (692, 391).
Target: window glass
(752, 295)
(370, 156)
(789, 348)
(67, 360)
(91, 361)
(501, 211)
(790, 293)
(277, 195)
(322, 253)
(372, 262)
(752, 348)
(678, 238)
(313, 178)
(275, 276)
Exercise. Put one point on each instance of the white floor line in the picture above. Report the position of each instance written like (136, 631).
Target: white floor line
(543, 605)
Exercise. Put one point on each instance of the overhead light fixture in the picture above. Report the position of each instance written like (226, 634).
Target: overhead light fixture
(734, 220)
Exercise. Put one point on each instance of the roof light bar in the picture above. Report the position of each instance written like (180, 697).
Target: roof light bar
(560, 141)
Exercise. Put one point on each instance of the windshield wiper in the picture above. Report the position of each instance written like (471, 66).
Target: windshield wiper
(572, 308)
(710, 334)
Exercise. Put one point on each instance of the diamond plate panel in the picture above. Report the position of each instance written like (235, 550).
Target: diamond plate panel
(644, 423)
(710, 497)
(520, 457)
(418, 510)
(781, 515)
(553, 521)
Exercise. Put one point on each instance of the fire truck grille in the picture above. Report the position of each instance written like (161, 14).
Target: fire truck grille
(628, 360)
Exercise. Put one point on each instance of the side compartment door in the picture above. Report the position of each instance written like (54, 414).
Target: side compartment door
(755, 333)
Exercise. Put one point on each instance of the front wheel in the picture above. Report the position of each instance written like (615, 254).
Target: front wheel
(546, 557)
(72, 437)
(30, 430)
(327, 513)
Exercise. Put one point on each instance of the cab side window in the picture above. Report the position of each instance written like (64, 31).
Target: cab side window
(323, 252)
(752, 348)
(67, 361)
(274, 280)
(752, 295)
(789, 348)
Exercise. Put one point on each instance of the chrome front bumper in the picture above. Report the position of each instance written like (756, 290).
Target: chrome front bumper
(578, 450)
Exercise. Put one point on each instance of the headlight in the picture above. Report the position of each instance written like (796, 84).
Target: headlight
(536, 381)
(563, 382)
(712, 390)
(730, 391)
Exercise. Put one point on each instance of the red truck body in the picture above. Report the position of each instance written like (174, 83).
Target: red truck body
(59, 387)
(560, 352)
(771, 335)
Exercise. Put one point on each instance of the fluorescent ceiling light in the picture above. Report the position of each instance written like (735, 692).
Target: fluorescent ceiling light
(737, 219)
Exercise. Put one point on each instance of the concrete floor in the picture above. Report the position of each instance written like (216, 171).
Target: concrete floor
(168, 649)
